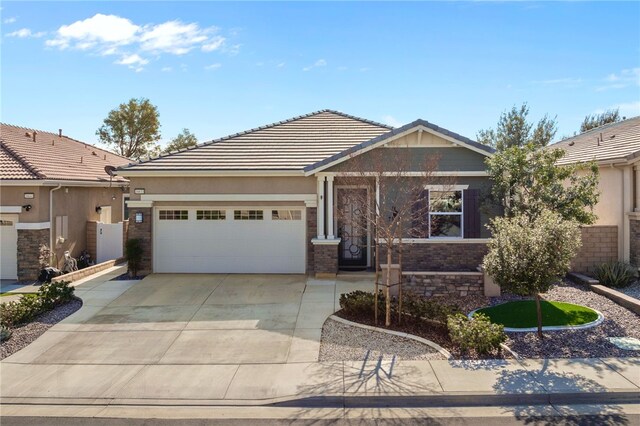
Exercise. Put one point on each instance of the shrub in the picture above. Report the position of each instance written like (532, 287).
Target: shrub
(420, 308)
(133, 253)
(478, 334)
(56, 293)
(360, 302)
(615, 274)
(5, 333)
(31, 305)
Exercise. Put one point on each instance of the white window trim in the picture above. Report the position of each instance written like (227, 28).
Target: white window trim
(446, 187)
(460, 213)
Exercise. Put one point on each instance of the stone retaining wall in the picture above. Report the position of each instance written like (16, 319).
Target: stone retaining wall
(29, 241)
(439, 256)
(599, 245)
(83, 273)
(443, 284)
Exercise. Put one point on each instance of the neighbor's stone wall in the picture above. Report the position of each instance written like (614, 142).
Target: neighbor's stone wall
(325, 259)
(599, 245)
(29, 241)
(142, 231)
(634, 243)
(92, 239)
(312, 232)
(439, 256)
(444, 284)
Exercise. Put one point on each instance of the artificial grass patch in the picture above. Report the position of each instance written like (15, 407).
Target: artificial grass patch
(522, 314)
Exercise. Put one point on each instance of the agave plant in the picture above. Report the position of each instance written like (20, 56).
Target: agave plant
(615, 274)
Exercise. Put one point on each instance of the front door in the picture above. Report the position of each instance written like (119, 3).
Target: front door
(352, 227)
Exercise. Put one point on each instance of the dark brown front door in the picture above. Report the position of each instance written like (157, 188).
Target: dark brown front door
(352, 227)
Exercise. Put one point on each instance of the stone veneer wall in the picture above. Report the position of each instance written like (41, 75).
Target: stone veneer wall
(92, 239)
(599, 245)
(312, 232)
(142, 231)
(29, 241)
(325, 259)
(439, 256)
(634, 243)
(444, 284)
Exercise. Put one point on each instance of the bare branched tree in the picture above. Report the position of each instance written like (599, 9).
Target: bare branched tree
(388, 198)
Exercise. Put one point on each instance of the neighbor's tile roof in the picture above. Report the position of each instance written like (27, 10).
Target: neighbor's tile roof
(285, 145)
(611, 142)
(52, 157)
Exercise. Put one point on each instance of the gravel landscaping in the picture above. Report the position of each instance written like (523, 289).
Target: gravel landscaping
(585, 343)
(633, 290)
(23, 335)
(341, 342)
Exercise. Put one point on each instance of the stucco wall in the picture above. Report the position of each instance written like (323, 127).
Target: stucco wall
(224, 185)
(14, 196)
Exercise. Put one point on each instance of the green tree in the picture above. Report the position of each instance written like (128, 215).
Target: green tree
(513, 129)
(527, 256)
(527, 181)
(185, 139)
(132, 129)
(597, 120)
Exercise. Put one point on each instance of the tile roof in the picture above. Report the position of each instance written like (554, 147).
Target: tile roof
(286, 145)
(611, 142)
(463, 140)
(52, 157)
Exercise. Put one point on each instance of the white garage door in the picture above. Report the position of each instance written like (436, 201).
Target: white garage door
(8, 247)
(229, 240)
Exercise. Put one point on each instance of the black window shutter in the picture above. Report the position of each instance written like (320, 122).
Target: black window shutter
(421, 215)
(471, 206)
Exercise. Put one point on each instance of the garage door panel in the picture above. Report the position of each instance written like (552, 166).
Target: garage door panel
(229, 246)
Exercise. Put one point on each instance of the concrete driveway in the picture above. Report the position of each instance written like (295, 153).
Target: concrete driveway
(192, 319)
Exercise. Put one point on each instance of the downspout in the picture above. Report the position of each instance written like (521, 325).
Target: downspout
(51, 217)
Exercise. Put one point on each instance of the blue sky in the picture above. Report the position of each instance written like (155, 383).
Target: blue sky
(218, 68)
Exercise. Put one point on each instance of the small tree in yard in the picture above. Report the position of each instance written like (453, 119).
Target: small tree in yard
(394, 206)
(528, 255)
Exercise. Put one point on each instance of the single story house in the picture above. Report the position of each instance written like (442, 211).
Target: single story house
(265, 200)
(616, 234)
(52, 187)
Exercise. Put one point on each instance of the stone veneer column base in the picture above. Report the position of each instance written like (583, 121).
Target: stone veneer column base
(143, 232)
(325, 256)
(634, 239)
(29, 241)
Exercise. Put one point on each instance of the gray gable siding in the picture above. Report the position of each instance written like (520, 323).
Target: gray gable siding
(450, 159)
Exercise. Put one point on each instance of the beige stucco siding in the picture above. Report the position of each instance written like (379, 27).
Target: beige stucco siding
(14, 196)
(223, 185)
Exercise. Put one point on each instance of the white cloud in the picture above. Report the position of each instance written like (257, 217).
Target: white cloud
(567, 81)
(166, 69)
(625, 78)
(106, 35)
(281, 64)
(26, 33)
(391, 121)
(9, 20)
(365, 69)
(317, 64)
(214, 43)
(212, 67)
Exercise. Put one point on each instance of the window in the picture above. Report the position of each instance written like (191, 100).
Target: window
(211, 215)
(174, 214)
(286, 215)
(247, 214)
(445, 214)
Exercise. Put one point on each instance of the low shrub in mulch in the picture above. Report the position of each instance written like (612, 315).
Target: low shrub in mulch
(442, 323)
(616, 274)
(29, 306)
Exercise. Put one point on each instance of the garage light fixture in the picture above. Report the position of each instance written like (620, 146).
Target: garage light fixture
(98, 209)
(27, 207)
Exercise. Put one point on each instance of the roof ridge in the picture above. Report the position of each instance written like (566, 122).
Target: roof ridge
(263, 127)
(64, 136)
(22, 160)
(597, 129)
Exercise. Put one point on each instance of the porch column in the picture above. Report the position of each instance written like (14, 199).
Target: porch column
(320, 214)
(330, 231)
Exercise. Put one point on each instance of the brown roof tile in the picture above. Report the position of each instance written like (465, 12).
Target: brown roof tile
(611, 142)
(286, 145)
(52, 157)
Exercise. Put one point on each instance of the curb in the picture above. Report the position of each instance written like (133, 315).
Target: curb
(435, 346)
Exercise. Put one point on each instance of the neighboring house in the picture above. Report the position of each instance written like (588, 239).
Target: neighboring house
(264, 200)
(51, 187)
(616, 234)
